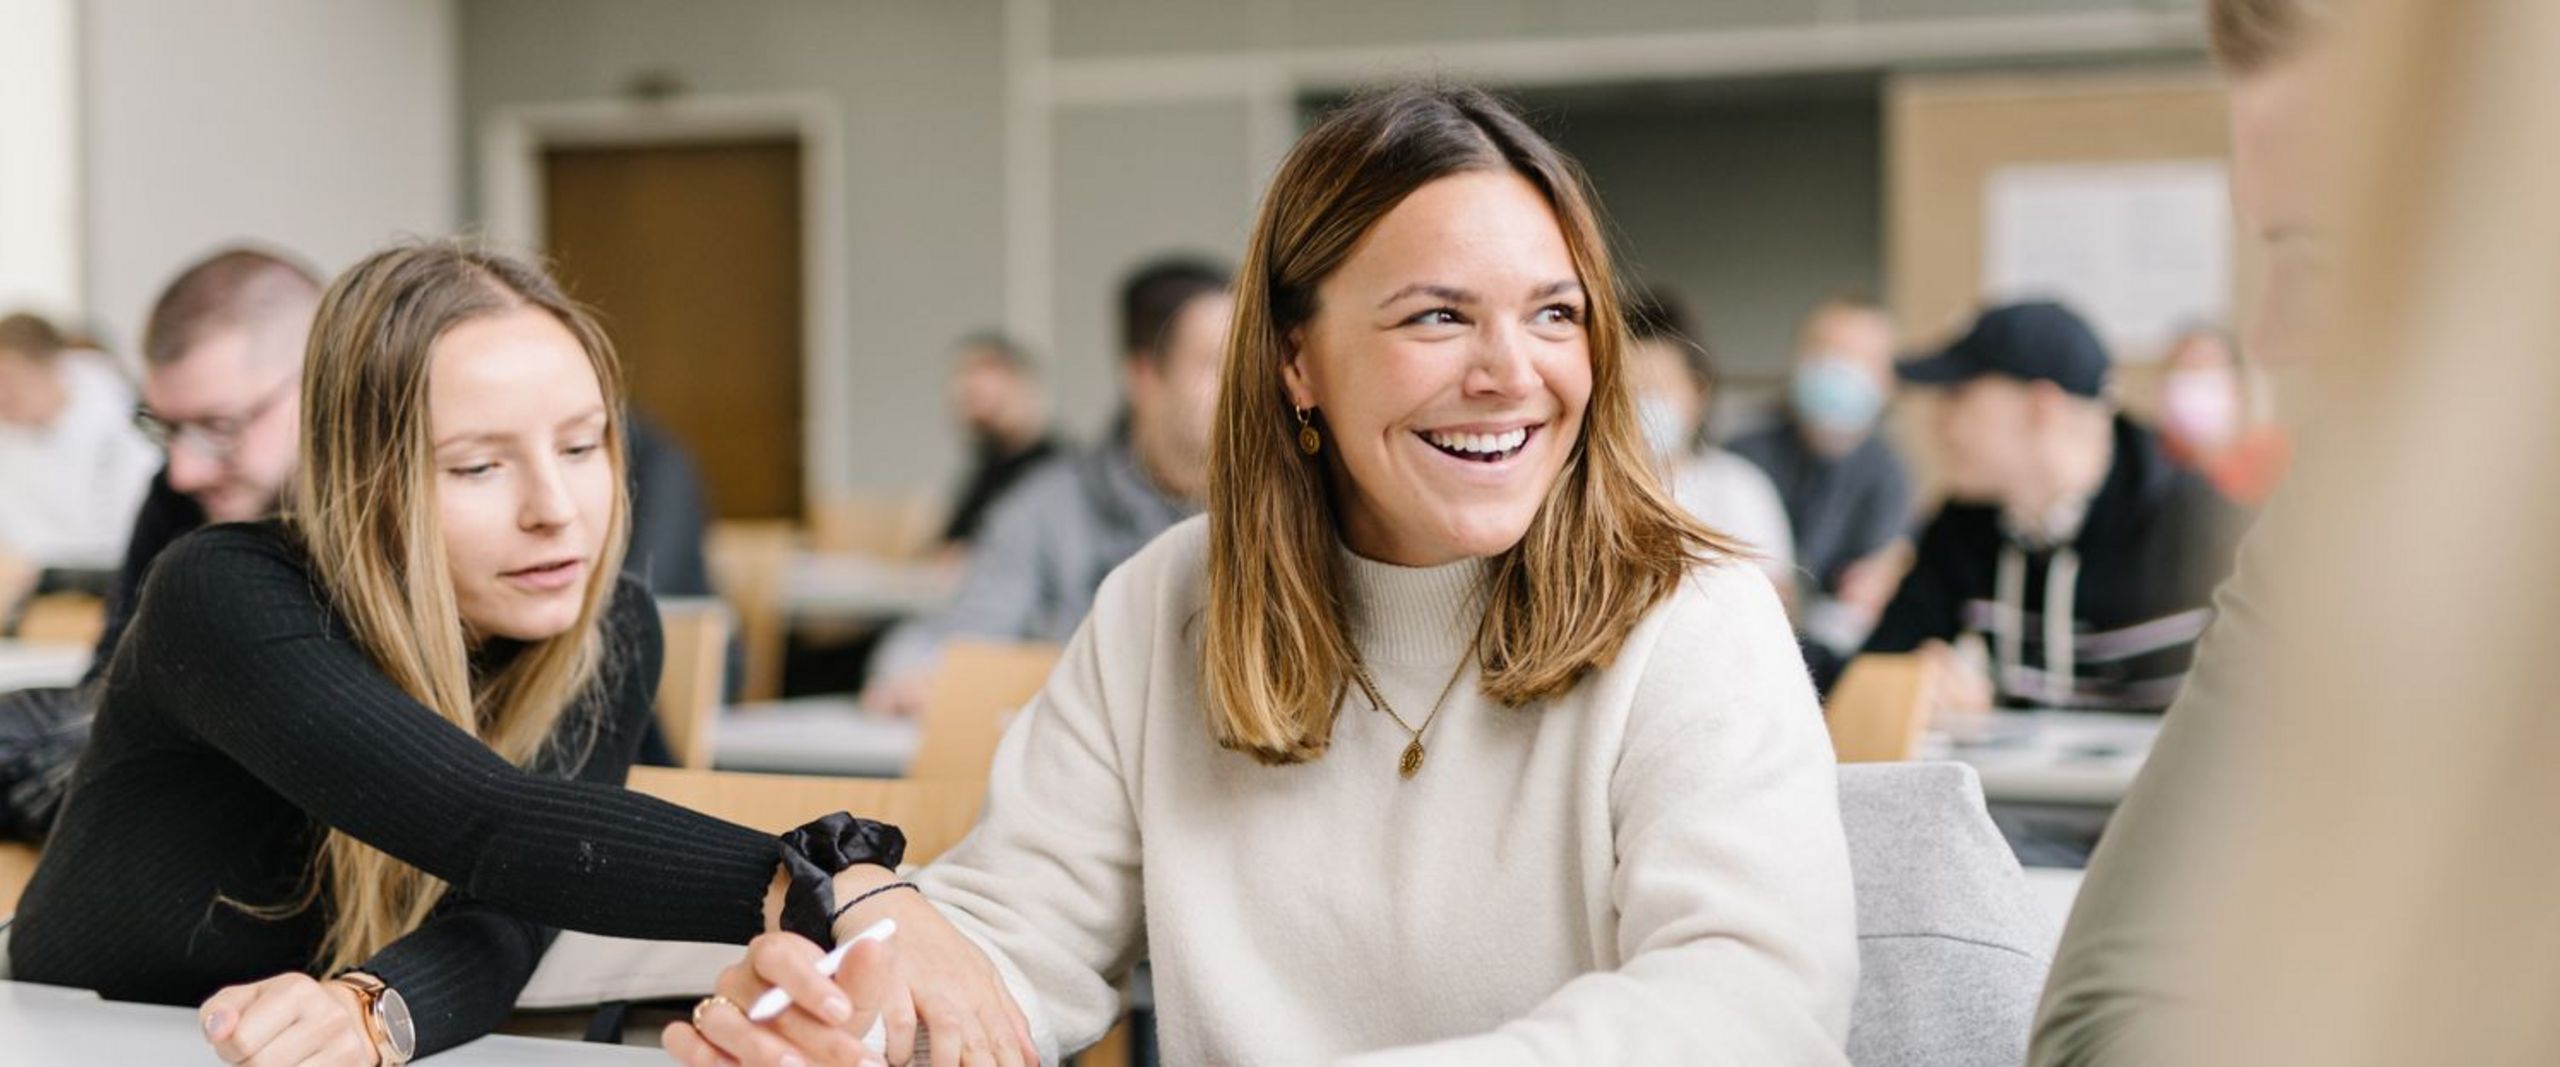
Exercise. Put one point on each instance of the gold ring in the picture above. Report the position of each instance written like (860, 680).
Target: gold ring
(705, 1005)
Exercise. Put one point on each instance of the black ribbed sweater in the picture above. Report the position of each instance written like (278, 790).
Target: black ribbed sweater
(240, 718)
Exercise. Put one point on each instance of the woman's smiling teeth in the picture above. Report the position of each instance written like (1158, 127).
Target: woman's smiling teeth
(1481, 447)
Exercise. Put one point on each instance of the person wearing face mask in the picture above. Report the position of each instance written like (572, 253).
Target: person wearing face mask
(2207, 425)
(1675, 383)
(1848, 496)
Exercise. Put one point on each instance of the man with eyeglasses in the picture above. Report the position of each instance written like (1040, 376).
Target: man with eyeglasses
(221, 392)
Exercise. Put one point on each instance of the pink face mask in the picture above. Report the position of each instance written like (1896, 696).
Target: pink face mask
(2200, 408)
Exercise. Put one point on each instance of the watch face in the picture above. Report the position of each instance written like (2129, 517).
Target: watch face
(393, 1013)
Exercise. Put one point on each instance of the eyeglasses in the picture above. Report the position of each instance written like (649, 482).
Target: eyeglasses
(215, 438)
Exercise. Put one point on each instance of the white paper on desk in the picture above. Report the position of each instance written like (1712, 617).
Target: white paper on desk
(2141, 249)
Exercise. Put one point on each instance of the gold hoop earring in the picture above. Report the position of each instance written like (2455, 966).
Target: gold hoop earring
(1309, 441)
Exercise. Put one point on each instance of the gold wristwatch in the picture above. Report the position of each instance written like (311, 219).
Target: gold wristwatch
(386, 1018)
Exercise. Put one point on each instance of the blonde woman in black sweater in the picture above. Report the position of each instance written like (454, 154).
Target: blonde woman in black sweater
(351, 768)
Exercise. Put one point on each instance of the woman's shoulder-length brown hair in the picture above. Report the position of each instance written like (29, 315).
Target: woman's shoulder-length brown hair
(1605, 547)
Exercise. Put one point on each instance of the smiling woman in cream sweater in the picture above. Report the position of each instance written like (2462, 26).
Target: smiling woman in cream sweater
(1445, 736)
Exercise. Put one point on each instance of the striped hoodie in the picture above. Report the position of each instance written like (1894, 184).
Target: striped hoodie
(2104, 622)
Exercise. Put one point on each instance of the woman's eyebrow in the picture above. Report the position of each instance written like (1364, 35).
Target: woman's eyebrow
(1431, 289)
(478, 438)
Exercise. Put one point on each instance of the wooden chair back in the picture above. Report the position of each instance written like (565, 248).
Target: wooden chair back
(1880, 707)
(750, 559)
(17, 865)
(935, 813)
(973, 696)
(63, 619)
(689, 684)
(884, 525)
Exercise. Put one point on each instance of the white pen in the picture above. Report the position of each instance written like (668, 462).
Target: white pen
(777, 1000)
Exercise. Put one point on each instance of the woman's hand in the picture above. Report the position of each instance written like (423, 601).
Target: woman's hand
(948, 985)
(823, 1025)
(1960, 695)
(289, 1020)
(1868, 584)
(934, 978)
(900, 695)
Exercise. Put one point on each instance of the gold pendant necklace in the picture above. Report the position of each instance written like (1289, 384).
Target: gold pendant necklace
(1410, 763)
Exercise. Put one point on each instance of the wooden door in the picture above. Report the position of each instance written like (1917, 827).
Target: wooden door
(692, 255)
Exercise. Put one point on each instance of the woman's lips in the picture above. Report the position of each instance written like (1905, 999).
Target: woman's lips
(547, 577)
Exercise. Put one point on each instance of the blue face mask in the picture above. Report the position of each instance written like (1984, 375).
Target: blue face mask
(1834, 395)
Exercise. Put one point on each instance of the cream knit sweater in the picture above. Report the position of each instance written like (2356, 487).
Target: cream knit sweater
(1648, 869)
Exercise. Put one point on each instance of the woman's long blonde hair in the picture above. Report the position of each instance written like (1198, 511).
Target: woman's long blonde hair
(1607, 544)
(365, 510)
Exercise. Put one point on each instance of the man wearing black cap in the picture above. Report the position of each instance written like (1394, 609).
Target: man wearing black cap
(2082, 557)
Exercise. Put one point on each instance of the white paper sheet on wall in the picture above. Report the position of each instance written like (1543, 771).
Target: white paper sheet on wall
(2141, 249)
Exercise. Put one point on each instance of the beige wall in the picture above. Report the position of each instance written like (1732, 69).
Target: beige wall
(40, 186)
(1947, 134)
(918, 88)
(1152, 124)
(1747, 210)
(323, 126)
(1132, 183)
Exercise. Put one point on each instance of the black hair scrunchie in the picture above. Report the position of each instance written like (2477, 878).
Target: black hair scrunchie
(814, 854)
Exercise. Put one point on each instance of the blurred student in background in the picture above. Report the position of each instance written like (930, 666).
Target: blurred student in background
(2213, 420)
(2069, 544)
(222, 376)
(1848, 497)
(996, 393)
(1675, 387)
(1046, 546)
(223, 353)
(72, 466)
(2125, 988)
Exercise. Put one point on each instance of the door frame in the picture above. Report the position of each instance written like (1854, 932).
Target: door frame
(512, 142)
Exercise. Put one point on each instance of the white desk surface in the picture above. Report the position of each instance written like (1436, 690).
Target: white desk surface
(2054, 757)
(40, 666)
(813, 735)
(46, 1026)
(822, 585)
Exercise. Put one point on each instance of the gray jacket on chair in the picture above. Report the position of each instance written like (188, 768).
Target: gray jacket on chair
(1951, 956)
